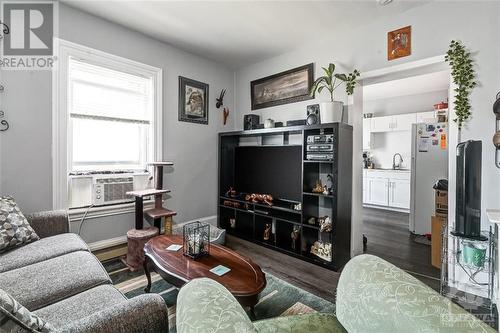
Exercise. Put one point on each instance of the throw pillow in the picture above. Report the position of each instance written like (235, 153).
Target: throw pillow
(16, 318)
(14, 228)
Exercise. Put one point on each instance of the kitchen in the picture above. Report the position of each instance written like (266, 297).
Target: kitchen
(405, 151)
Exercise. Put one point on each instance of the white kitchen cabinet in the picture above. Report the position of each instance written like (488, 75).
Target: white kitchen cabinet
(378, 191)
(424, 117)
(381, 124)
(387, 188)
(399, 193)
(367, 134)
(400, 122)
(403, 122)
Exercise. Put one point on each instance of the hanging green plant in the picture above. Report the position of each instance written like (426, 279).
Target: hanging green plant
(464, 77)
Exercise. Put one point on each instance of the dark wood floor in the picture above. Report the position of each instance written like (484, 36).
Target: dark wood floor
(312, 278)
(388, 238)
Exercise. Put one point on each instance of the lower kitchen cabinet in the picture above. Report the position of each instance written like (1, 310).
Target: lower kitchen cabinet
(399, 193)
(387, 188)
(378, 191)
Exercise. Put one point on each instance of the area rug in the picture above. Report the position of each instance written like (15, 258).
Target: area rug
(279, 298)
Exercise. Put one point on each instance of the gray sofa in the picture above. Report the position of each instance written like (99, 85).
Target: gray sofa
(58, 279)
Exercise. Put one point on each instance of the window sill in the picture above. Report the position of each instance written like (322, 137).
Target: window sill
(76, 214)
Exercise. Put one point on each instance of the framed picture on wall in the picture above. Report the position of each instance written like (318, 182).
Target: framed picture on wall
(286, 87)
(193, 101)
(399, 43)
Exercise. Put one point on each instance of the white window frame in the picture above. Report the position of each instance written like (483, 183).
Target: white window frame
(61, 139)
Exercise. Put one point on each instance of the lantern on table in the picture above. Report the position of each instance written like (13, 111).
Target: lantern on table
(196, 239)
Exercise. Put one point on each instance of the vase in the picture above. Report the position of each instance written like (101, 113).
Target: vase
(331, 112)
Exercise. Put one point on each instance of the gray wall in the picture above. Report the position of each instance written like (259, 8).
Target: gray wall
(434, 25)
(26, 165)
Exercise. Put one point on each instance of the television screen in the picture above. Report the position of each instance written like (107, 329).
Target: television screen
(269, 170)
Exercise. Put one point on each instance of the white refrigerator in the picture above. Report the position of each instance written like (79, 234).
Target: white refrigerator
(429, 163)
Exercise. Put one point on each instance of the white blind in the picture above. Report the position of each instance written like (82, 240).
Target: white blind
(103, 92)
(111, 113)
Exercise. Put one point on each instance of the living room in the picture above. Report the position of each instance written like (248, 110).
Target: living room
(173, 102)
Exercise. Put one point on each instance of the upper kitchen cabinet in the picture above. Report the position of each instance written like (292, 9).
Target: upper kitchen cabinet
(367, 134)
(403, 122)
(400, 122)
(381, 124)
(425, 117)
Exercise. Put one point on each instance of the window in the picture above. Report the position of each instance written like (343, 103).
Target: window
(111, 118)
(107, 114)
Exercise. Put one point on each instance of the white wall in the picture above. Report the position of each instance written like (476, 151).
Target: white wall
(26, 165)
(404, 104)
(385, 145)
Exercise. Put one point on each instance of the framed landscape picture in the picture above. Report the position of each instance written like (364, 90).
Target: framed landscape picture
(193, 101)
(286, 87)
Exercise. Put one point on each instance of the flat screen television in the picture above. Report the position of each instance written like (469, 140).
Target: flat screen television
(269, 170)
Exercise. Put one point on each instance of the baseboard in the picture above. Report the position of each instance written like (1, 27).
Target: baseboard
(401, 210)
(116, 241)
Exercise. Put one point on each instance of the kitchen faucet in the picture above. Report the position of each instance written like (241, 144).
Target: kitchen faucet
(394, 166)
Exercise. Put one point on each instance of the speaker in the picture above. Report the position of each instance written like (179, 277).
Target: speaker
(468, 190)
(313, 115)
(250, 121)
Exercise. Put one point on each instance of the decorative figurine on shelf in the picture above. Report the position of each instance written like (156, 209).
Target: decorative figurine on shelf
(231, 192)
(232, 223)
(329, 183)
(325, 190)
(297, 207)
(295, 235)
(267, 232)
(325, 224)
(311, 220)
(322, 250)
(230, 203)
(318, 188)
(264, 198)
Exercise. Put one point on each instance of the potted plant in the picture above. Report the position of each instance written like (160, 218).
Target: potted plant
(332, 111)
(464, 77)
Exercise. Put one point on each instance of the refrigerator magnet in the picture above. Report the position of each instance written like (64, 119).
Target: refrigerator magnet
(443, 141)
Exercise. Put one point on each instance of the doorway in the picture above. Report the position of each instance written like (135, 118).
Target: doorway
(405, 151)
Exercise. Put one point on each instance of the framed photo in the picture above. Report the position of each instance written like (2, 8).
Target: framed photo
(286, 87)
(193, 101)
(399, 43)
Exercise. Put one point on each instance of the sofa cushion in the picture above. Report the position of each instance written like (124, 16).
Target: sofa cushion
(310, 323)
(16, 318)
(81, 305)
(49, 281)
(14, 228)
(45, 248)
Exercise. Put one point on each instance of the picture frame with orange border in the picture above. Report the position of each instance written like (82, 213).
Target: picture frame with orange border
(399, 43)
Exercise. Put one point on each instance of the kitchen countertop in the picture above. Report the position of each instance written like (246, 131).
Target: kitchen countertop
(388, 169)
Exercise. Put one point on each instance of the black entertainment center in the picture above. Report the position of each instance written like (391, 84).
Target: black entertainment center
(282, 163)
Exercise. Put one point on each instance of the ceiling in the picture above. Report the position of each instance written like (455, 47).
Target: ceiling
(239, 33)
(413, 85)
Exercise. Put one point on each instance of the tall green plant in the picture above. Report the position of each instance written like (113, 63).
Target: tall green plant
(329, 81)
(464, 77)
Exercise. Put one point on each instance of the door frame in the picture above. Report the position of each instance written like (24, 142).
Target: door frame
(355, 103)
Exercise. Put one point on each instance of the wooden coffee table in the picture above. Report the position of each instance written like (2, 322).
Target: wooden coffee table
(245, 280)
